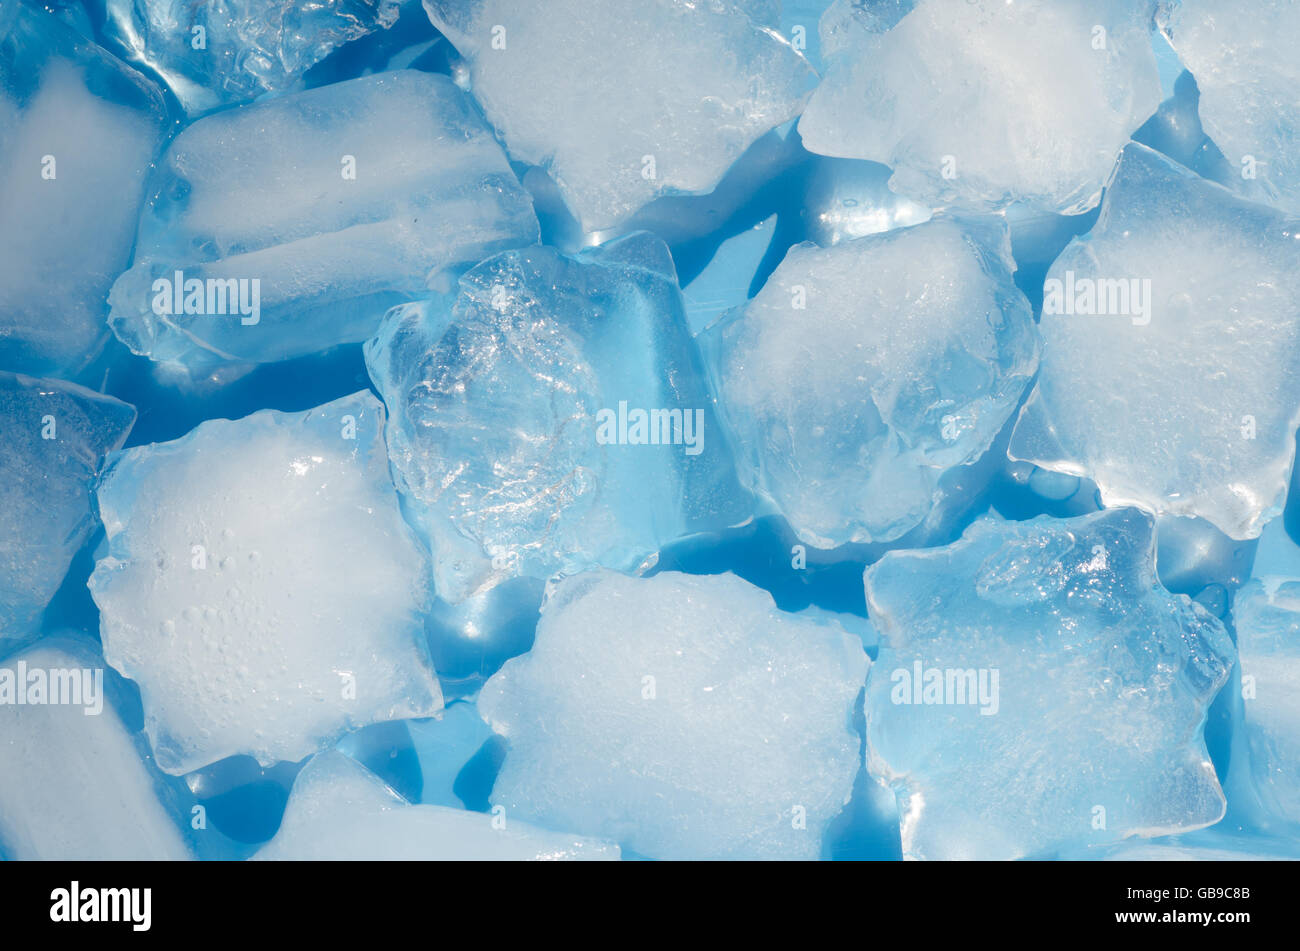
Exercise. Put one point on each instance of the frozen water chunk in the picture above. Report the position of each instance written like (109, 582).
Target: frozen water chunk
(681, 716)
(340, 811)
(1242, 53)
(261, 586)
(576, 88)
(54, 435)
(1171, 351)
(214, 54)
(552, 416)
(985, 102)
(1036, 688)
(1267, 615)
(902, 354)
(289, 226)
(76, 786)
(77, 133)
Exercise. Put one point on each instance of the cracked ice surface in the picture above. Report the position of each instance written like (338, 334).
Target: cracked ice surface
(248, 47)
(340, 202)
(681, 716)
(575, 87)
(985, 102)
(901, 354)
(1175, 382)
(1092, 730)
(54, 436)
(1267, 615)
(499, 399)
(1242, 54)
(340, 811)
(261, 586)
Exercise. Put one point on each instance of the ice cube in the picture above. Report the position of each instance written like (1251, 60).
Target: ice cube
(576, 88)
(261, 586)
(54, 436)
(340, 811)
(552, 415)
(985, 102)
(1242, 53)
(215, 54)
(76, 784)
(1171, 351)
(1267, 615)
(681, 716)
(78, 131)
(863, 371)
(1036, 689)
(286, 227)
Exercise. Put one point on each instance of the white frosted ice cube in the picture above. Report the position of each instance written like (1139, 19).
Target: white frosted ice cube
(338, 202)
(261, 586)
(681, 716)
(1170, 372)
(983, 102)
(75, 784)
(617, 117)
(340, 811)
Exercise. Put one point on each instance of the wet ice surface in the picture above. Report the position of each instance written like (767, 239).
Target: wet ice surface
(1036, 688)
(214, 54)
(520, 426)
(1180, 288)
(261, 586)
(341, 811)
(1243, 57)
(54, 435)
(901, 355)
(982, 103)
(76, 786)
(576, 88)
(77, 133)
(338, 202)
(683, 717)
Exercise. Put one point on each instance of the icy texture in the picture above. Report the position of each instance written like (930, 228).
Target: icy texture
(75, 786)
(261, 586)
(910, 353)
(1096, 716)
(505, 402)
(616, 117)
(340, 811)
(1187, 403)
(1267, 615)
(54, 435)
(1242, 53)
(982, 102)
(681, 716)
(242, 48)
(77, 133)
(263, 193)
